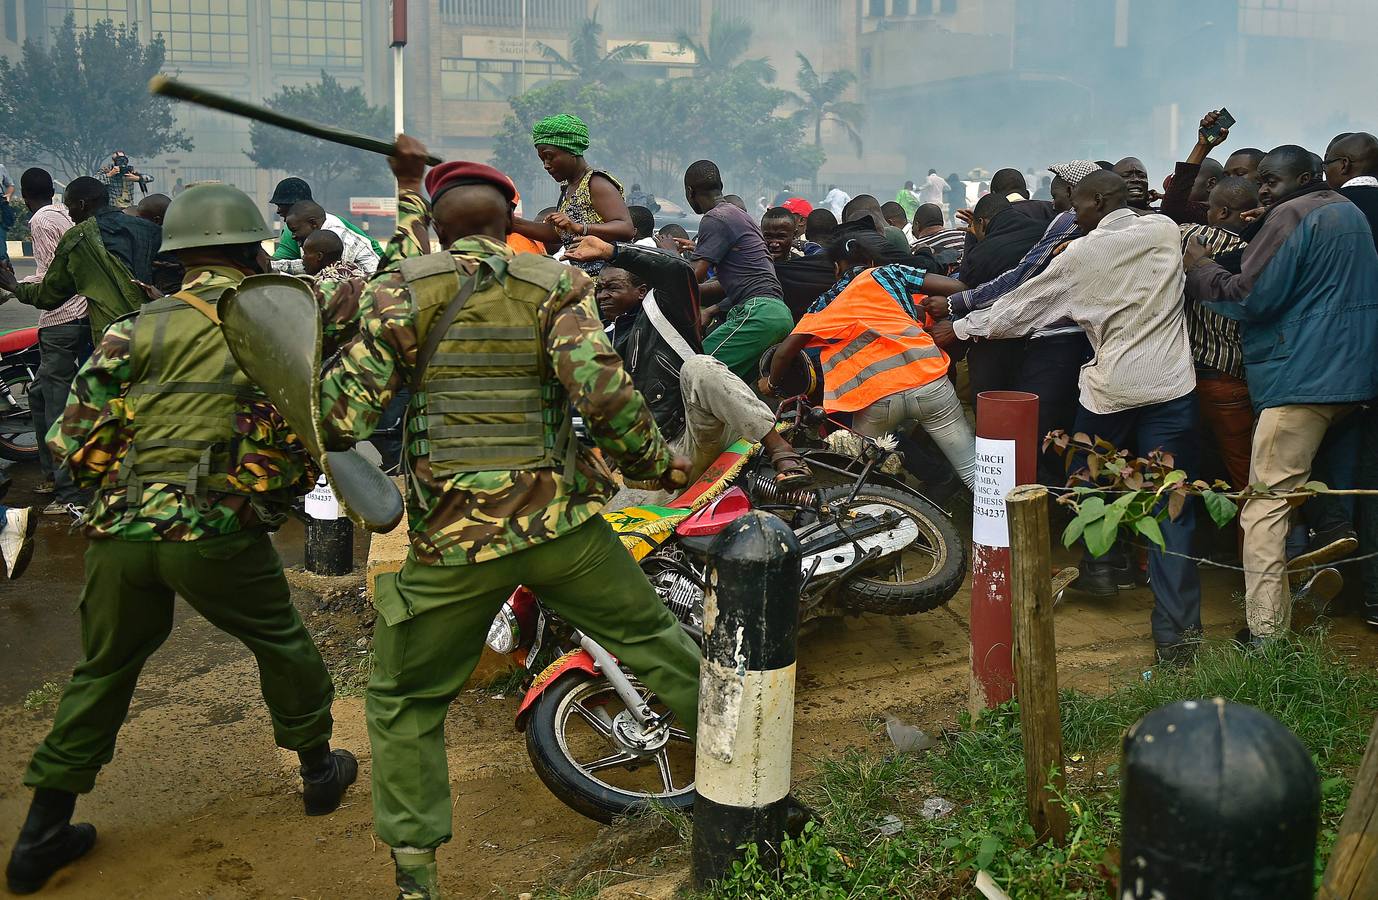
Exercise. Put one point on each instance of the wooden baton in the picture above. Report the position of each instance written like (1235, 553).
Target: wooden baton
(163, 86)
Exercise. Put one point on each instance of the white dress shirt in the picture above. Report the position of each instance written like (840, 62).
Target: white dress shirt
(1123, 284)
(357, 249)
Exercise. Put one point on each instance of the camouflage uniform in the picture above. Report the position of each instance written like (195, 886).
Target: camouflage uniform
(477, 535)
(149, 544)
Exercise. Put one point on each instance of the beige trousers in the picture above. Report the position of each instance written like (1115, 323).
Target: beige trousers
(719, 408)
(1285, 442)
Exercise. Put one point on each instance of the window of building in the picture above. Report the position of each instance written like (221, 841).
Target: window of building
(948, 6)
(899, 8)
(318, 33)
(541, 14)
(492, 80)
(877, 8)
(203, 31)
(925, 7)
(87, 12)
(12, 21)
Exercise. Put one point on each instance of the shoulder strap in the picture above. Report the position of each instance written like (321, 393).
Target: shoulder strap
(441, 325)
(199, 305)
(667, 331)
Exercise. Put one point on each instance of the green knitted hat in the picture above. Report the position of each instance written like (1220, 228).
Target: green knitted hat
(566, 132)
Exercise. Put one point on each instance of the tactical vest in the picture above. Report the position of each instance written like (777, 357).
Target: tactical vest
(489, 399)
(185, 391)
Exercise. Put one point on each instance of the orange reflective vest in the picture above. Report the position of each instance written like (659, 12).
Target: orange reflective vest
(871, 347)
(520, 243)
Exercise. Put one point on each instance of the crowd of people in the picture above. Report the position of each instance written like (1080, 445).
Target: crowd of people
(1247, 300)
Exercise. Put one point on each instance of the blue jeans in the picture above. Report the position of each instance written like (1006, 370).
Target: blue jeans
(1170, 426)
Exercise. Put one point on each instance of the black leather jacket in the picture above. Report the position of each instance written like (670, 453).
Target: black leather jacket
(649, 359)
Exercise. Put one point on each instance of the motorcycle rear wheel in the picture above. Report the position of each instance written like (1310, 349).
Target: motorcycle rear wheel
(575, 718)
(919, 578)
(18, 442)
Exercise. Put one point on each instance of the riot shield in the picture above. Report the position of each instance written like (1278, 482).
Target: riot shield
(273, 327)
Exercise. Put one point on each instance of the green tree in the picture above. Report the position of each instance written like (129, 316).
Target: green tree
(728, 42)
(587, 60)
(85, 96)
(320, 163)
(820, 99)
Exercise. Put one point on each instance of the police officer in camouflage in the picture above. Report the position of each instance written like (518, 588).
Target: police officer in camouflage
(192, 468)
(496, 348)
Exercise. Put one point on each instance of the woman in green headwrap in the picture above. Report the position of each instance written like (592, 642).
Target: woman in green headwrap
(590, 200)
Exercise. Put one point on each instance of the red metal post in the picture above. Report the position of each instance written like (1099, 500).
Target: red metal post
(1006, 456)
(399, 23)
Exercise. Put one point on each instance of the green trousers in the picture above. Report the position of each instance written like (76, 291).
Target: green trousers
(752, 327)
(236, 583)
(420, 663)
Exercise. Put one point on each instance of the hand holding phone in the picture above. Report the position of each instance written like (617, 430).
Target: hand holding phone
(1215, 127)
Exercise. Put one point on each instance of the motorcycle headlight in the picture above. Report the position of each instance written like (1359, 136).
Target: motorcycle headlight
(505, 632)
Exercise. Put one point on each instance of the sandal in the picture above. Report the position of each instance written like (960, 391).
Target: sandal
(790, 468)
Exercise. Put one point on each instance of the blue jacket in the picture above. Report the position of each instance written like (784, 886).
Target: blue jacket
(1307, 301)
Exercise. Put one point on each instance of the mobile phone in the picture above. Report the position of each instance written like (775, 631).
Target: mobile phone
(1223, 123)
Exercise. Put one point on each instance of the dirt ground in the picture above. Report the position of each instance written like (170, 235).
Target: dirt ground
(198, 802)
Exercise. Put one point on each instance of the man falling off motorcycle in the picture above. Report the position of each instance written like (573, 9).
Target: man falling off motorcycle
(496, 348)
(701, 407)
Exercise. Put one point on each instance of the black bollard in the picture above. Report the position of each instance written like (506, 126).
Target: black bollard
(329, 533)
(1219, 801)
(746, 694)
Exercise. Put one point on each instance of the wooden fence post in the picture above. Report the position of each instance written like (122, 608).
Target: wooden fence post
(1035, 659)
(1352, 873)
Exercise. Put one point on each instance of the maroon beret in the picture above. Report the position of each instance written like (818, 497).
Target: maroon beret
(452, 174)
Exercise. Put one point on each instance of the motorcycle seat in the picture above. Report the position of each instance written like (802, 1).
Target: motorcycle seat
(19, 339)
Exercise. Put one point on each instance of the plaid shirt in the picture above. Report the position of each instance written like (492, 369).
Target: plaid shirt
(1214, 338)
(900, 281)
(357, 249)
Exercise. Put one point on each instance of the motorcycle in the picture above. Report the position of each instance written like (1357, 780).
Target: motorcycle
(596, 736)
(18, 369)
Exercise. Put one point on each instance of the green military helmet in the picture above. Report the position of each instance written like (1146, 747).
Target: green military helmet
(213, 215)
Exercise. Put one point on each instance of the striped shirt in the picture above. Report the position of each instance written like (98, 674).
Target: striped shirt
(47, 226)
(947, 239)
(1060, 230)
(1122, 283)
(1214, 338)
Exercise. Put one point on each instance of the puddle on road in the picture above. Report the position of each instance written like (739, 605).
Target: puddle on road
(39, 626)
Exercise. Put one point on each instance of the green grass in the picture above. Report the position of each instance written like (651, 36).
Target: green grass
(351, 673)
(1327, 704)
(39, 697)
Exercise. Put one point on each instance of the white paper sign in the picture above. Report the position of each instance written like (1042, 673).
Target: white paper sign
(321, 502)
(994, 479)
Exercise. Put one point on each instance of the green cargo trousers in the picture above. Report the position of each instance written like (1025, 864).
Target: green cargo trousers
(431, 629)
(236, 582)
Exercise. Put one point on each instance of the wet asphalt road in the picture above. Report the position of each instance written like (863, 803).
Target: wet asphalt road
(39, 627)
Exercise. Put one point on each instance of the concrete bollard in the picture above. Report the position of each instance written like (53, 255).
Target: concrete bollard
(746, 694)
(1218, 800)
(329, 533)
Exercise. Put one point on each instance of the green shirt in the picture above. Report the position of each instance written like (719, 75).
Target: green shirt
(82, 265)
(287, 244)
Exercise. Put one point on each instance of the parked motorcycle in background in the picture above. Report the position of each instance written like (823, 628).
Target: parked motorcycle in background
(598, 739)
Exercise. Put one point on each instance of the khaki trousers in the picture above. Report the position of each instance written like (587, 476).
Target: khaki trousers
(719, 409)
(1285, 442)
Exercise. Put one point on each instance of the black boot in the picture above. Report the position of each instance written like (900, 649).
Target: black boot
(47, 842)
(325, 774)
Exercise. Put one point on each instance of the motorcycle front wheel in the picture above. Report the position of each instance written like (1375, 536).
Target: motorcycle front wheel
(919, 577)
(18, 442)
(577, 738)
